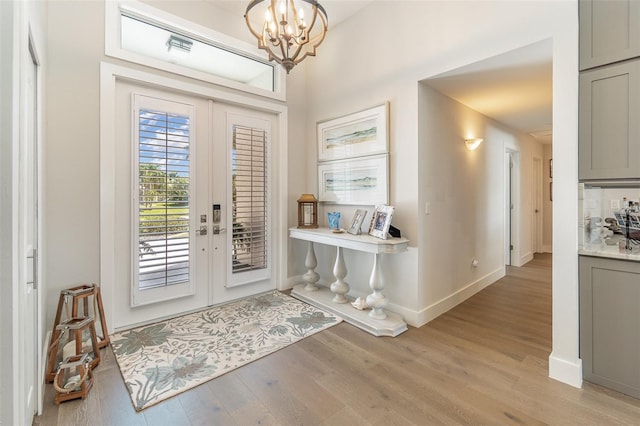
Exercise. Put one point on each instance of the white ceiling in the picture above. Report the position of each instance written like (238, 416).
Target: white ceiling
(514, 88)
(337, 10)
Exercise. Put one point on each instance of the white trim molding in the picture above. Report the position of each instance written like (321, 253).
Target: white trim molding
(566, 371)
(438, 308)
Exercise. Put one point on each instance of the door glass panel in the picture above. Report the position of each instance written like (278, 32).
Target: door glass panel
(163, 199)
(249, 198)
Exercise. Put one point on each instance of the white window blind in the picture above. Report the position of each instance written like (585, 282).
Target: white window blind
(249, 199)
(163, 199)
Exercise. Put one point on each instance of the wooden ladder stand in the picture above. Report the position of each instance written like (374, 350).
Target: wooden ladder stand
(78, 294)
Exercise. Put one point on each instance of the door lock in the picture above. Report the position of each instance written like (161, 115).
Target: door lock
(215, 218)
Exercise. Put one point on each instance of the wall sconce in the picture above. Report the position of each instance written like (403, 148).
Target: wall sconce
(472, 144)
(307, 211)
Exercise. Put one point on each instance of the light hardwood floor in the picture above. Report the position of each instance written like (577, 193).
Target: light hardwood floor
(484, 362)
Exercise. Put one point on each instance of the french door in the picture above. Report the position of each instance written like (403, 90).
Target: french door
(192, 193)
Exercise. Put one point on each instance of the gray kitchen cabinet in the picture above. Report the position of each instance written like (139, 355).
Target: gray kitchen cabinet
(609, 122)
(610, 323)
(609, 31)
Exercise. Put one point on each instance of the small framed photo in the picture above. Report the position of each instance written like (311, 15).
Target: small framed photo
(381, 221)
(356, 222)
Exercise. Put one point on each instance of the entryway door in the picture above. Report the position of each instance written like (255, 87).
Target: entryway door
(28, 302)
(193, 206)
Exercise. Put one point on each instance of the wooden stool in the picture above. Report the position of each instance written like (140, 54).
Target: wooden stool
(73, 379)
(77, 294)
(74, 328)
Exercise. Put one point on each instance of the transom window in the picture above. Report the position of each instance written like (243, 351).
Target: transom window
(161, 43)
(143, 34)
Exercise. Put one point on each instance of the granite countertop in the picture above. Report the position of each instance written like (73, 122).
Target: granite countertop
(614, 251)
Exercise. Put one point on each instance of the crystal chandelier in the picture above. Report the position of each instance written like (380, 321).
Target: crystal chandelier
(284, 32)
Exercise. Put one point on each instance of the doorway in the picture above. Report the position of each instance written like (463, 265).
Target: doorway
(512, 210)
(536, 193)
(193, 200)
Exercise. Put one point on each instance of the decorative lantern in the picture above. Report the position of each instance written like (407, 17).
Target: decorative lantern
(73, 379)
(307, 211)
(76, 336)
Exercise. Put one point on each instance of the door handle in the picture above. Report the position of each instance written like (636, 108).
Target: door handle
(202, 230)
(215, 230)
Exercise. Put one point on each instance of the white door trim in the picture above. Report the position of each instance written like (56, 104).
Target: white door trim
(536, 241)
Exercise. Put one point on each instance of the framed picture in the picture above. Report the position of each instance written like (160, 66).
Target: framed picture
(355, 135)
(360, 181)
(356, 222)
(381, 221)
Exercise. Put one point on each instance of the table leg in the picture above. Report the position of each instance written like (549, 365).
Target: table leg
(377, 300)
(311, 277)
(339, 287)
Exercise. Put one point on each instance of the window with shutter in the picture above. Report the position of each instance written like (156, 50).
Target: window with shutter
(163, 199)
(249, 200)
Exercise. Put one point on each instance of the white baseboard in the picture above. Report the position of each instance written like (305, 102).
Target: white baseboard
(569, 372)
(420, 318)
(526, 258)
(410, 316)
(440, 307)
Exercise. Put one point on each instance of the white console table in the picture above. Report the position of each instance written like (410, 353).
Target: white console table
(376, 321)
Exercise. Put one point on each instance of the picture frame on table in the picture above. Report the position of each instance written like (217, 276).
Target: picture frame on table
(356, 222)
(355, 135)
(358, 181)
(381, 221)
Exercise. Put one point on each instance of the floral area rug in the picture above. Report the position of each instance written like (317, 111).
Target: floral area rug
(164, 359)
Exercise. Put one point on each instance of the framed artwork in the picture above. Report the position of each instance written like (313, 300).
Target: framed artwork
(354, 135)
(358, 181)
(356, 222)
(381, 221)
